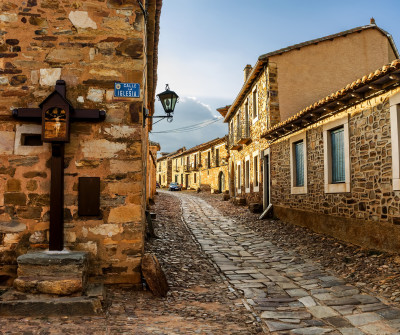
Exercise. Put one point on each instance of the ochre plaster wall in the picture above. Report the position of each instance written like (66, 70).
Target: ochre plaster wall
(311, 73)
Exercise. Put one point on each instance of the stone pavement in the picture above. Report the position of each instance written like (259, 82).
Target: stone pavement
(289, 294)
(199, 302)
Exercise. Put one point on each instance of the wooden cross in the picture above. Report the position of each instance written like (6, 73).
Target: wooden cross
(56, 113)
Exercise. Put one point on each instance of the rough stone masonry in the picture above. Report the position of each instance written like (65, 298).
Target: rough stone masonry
(90, 45)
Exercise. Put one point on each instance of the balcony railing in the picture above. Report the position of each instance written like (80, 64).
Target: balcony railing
(233, 142)
(244, 133)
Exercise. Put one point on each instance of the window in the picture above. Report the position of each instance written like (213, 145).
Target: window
(209, 159)
(195, 160)
(337, 150)
(32, 140)
(216, 157)
(394, 103)
(246, 110)
(298, 163)
(255, 104)
(256, 179)
(238, 131)
(195, 177)
(336, 156)
(247, 174)
(176, 178)
(246, 124)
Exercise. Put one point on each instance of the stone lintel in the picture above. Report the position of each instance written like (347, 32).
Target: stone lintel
(54, 258)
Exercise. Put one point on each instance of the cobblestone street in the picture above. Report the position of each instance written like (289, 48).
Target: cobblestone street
(225, 278)
(199, 302)
(290, 294)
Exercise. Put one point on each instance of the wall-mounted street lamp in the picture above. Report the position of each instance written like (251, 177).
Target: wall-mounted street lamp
(168, 100)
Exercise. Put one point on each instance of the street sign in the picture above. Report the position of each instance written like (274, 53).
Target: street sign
(126, 90)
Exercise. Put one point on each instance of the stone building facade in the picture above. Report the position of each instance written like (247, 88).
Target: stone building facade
(164, 167)
(90, 45)
(363, 206)
(283, 82)
(204, 167)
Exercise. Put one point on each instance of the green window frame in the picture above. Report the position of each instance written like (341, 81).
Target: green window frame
(338, 159)
(299, 164)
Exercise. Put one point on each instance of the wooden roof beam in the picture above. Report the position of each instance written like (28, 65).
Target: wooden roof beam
(357, 95)
(375, 87)
(395, 76)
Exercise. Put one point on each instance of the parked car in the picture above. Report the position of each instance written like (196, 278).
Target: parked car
(174, 187)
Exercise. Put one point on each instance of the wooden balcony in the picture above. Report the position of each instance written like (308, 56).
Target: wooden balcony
(233, 143)
(244, 133)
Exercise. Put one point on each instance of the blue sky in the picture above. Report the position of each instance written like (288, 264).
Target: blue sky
(205, 44)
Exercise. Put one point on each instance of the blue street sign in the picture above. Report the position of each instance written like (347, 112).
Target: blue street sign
(126, 90)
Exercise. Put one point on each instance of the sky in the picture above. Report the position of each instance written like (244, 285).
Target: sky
(205, 45)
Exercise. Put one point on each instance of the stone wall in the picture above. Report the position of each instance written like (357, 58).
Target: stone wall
(164, 173)
(268, 115)
(371, 201)
(90, 45)
(152, 171)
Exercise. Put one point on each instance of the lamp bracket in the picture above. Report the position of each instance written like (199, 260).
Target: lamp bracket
(147, 116)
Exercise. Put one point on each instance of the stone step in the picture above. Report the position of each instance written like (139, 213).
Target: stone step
(15, 303)
(49, 285)
(63, 273)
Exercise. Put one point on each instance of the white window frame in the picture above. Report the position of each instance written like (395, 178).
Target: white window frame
(293, 188)
(255, 118)
(256, 188)
(247, 174)
(394, 103)
(238, 177)
(328, 186)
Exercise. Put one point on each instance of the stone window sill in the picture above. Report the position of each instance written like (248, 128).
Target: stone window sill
(337, 188)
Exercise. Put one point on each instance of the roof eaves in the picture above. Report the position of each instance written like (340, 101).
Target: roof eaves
(364, 81)
(202, 146)
(247, 84)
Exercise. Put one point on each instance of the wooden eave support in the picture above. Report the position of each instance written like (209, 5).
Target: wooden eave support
(375, 87)
(357, 95)
(395, 76)
(76, 114)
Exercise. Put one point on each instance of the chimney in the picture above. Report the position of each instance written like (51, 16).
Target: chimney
(247, 71)
(372, 21)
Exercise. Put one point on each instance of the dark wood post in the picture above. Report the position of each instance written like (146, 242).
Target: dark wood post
(57, 198)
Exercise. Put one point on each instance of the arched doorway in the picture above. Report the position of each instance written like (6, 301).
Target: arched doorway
(221, 182)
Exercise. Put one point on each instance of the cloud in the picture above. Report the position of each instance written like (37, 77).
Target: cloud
(188, 112)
